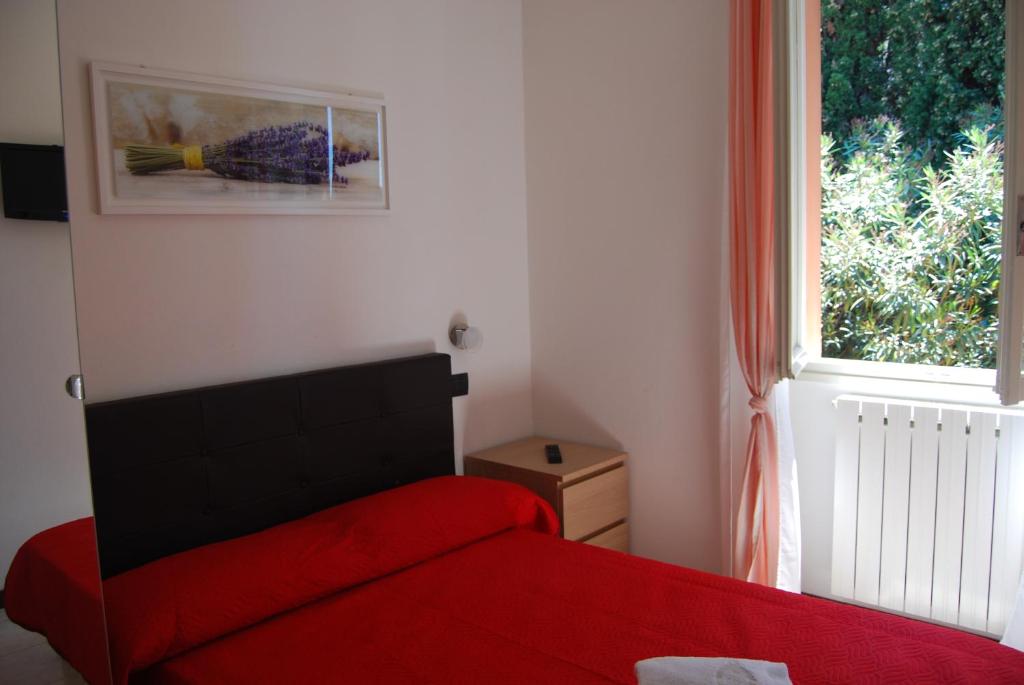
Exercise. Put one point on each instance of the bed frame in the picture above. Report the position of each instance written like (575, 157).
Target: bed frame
(178, 470)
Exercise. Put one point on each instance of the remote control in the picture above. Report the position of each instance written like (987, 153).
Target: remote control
(553, 453)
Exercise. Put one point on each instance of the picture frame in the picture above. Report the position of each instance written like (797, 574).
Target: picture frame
(171, 142)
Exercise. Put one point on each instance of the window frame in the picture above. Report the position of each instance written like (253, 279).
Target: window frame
(1011, 284)
(797, 334)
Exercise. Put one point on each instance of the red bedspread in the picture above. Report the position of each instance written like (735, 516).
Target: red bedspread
(53, 588)
(460, 580)
(528, 608)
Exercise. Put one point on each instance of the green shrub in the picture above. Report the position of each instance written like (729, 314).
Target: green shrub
(910, 253)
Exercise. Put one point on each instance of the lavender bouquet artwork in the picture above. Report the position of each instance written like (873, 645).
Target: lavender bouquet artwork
(295, 153)
(173, 143)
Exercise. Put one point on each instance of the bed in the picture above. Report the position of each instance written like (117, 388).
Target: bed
(439, 579)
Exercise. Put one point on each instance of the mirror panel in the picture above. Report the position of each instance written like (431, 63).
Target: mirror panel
(44, 475)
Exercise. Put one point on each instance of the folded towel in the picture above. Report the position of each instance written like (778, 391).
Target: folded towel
(678, 670)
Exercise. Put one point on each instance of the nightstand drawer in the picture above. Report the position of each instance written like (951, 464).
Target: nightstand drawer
(614, 538)
(594, 503)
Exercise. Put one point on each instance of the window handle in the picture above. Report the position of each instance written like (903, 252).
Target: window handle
(1020, 226)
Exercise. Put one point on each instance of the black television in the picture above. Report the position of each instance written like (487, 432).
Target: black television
(33, 180)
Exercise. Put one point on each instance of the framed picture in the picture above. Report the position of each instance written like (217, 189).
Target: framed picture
(173, 143)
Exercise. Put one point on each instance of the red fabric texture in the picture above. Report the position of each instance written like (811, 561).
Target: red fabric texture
(175, 603)
(53, 588)
(527, 608)
(446, 581)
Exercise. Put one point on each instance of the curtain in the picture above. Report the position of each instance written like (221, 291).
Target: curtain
(751, 267)
(789, 494)
(1014, 634)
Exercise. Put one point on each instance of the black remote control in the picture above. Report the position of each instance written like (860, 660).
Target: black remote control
(553, 453)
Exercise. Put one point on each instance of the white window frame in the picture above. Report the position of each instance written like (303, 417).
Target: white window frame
(1011, 284)
(794, 353)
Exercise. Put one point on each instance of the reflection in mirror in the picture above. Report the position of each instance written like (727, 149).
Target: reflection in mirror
(190, 488)
(51, 593)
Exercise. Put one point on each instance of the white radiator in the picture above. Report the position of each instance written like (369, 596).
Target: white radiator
(929, 509)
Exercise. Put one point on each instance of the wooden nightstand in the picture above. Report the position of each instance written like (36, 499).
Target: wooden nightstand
(589, 489)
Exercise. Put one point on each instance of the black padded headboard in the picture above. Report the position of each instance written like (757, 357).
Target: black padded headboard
(183, 469)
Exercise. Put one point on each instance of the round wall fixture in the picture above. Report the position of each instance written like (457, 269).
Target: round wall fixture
(466, 337)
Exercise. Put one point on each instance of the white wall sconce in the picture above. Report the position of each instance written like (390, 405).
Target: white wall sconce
(466, 337)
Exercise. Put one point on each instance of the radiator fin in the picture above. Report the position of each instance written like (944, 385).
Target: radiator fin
(895, 507)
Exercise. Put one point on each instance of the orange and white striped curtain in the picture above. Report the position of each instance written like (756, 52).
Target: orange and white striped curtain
(752, 273)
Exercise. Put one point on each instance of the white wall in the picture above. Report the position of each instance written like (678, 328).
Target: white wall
(625, 134)
(177, 301)
(43, 467)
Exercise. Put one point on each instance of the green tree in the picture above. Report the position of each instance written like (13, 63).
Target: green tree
(931, 64)
(853, 63)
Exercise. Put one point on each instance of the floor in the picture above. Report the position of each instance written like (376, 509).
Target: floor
(27, 659)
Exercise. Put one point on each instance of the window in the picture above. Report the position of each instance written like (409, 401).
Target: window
(900, 259)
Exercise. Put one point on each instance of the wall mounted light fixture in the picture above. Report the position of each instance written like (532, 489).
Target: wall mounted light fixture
(466, 337)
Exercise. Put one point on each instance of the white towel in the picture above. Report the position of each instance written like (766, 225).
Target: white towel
(679, 670)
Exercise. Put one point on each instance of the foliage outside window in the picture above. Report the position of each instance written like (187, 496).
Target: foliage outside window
(911, 180)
